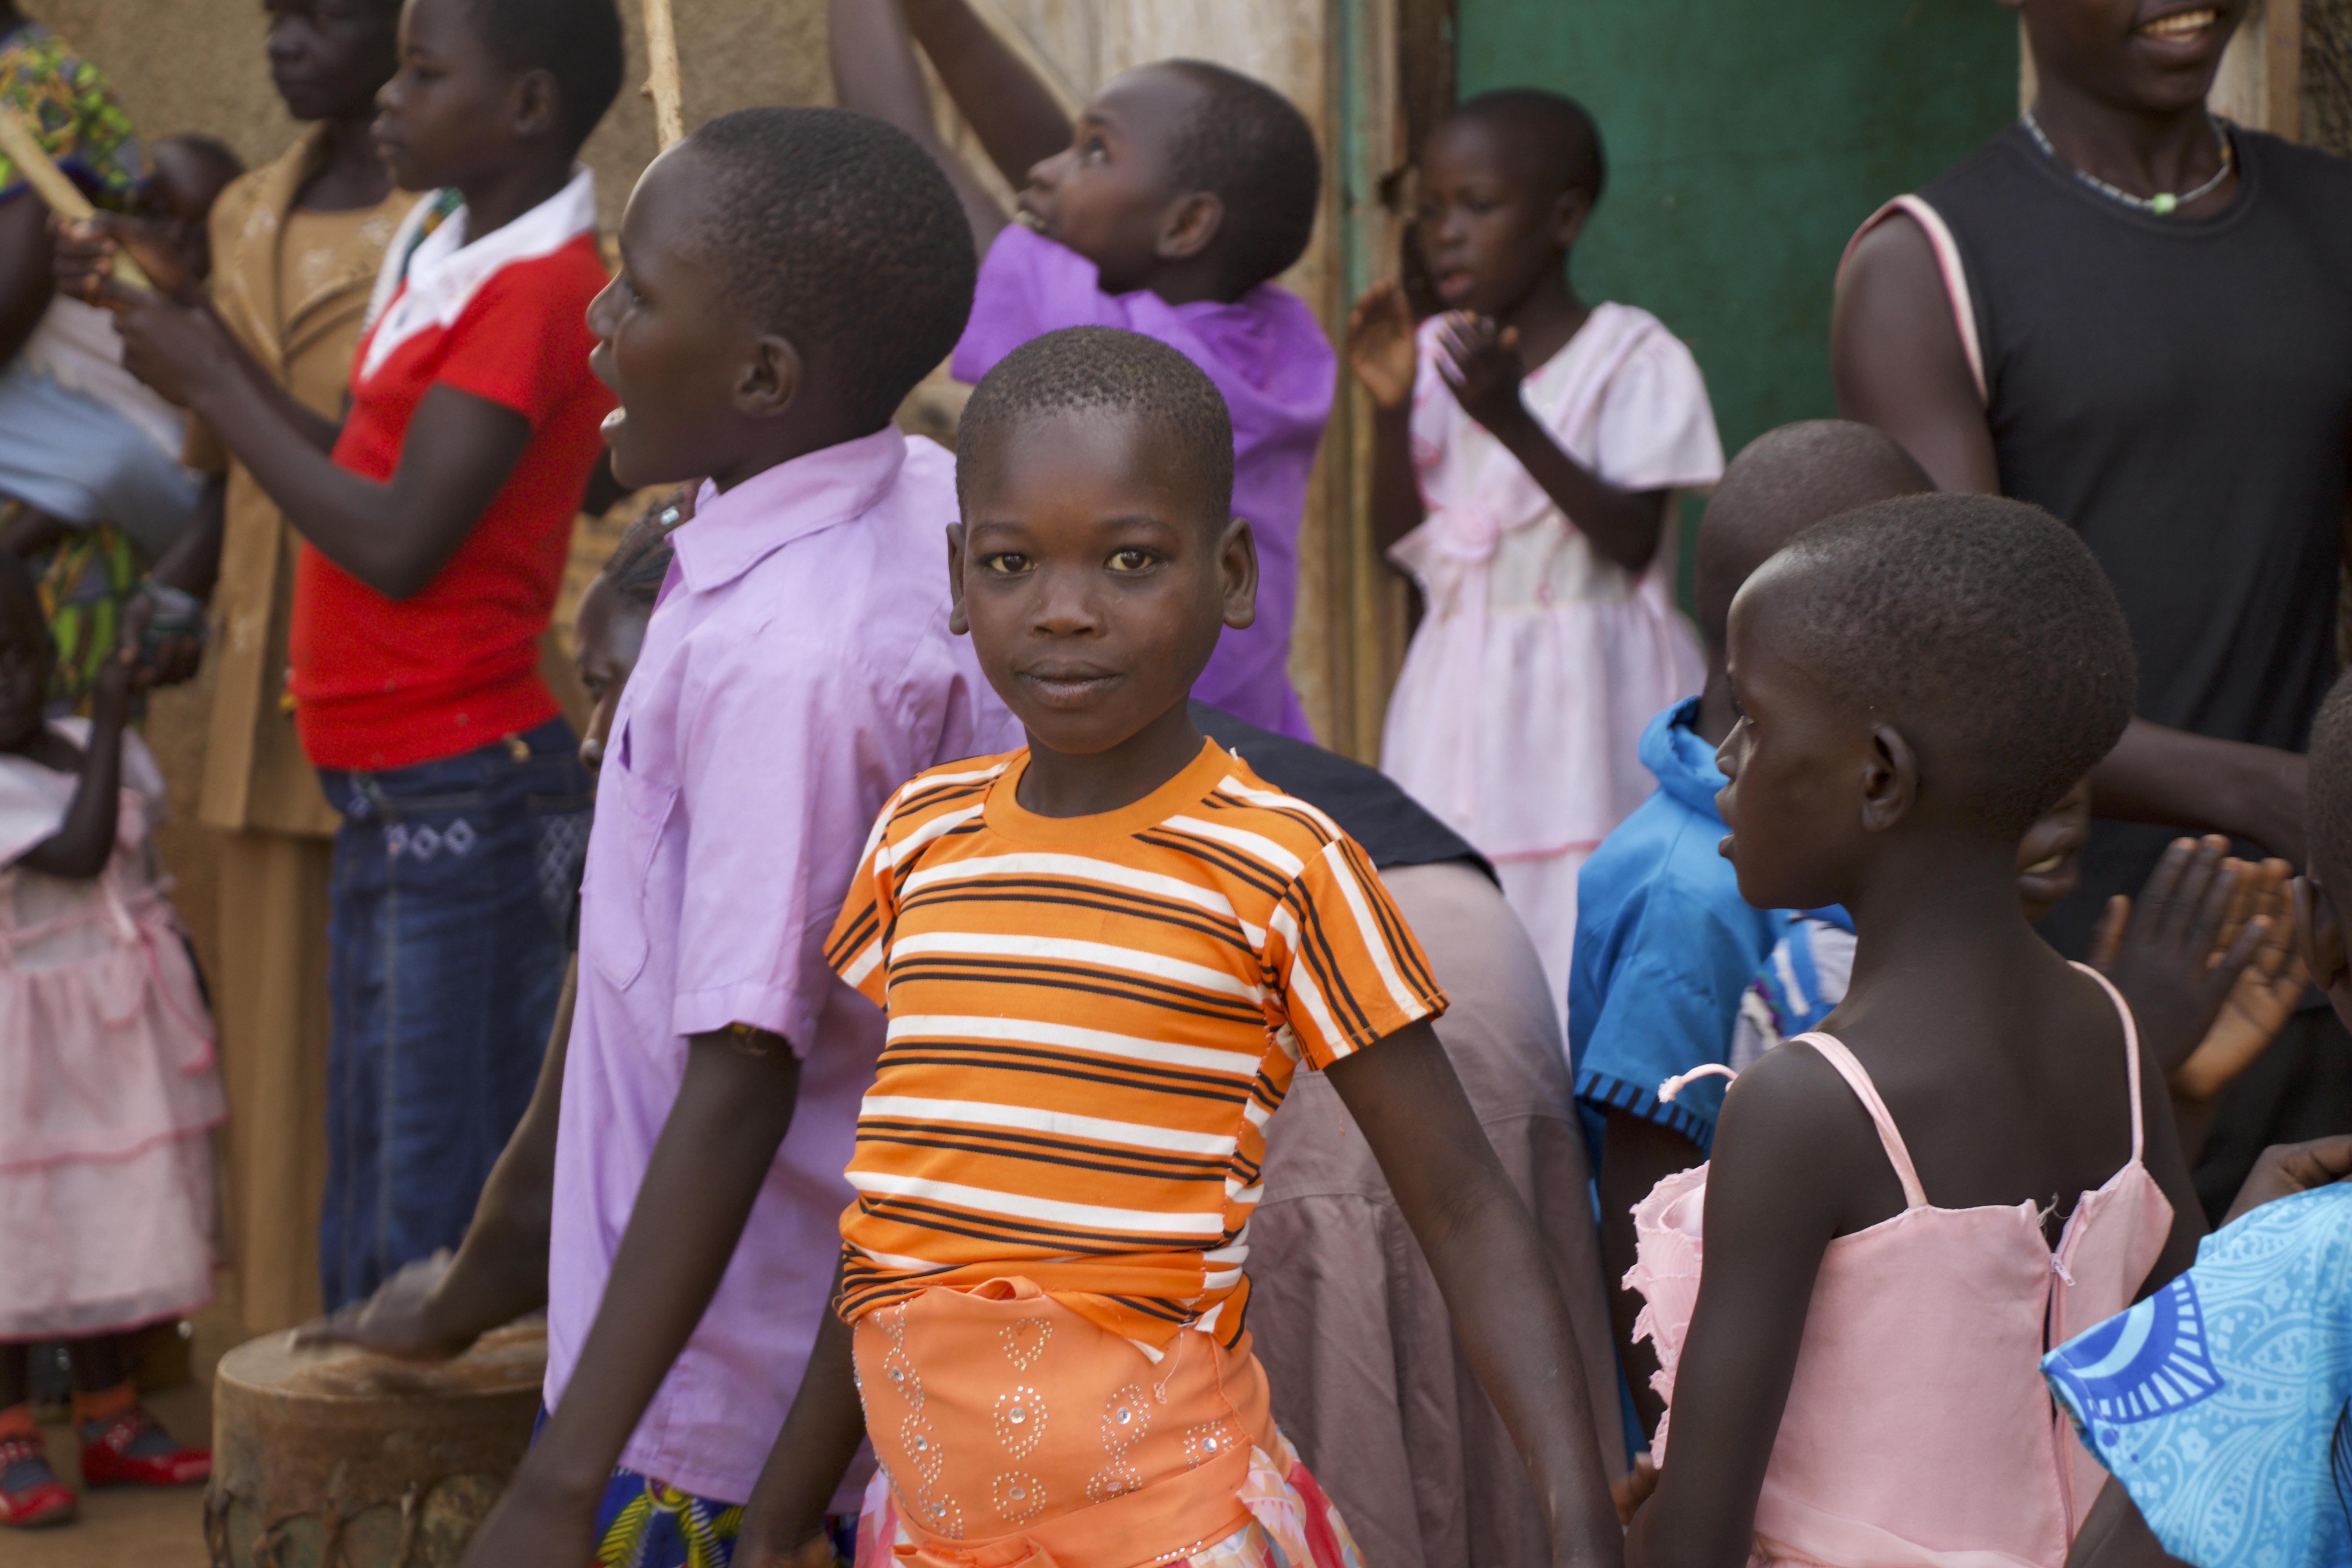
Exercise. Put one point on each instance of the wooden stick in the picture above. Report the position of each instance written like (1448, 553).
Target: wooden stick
(57, 189)
(662, 82)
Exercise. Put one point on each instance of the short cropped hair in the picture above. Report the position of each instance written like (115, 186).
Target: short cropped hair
(215, 156)
(1554, 127)
(1780, 484)
(1084, 369)
(577, 42)
(842, 234)
(640, 560)
(1250, 147)
(1985, 627)
(2327, 801)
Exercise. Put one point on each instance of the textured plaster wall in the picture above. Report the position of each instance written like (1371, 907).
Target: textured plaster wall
(197, 65)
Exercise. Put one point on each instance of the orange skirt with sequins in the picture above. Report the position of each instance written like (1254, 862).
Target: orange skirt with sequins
(1014, 1432)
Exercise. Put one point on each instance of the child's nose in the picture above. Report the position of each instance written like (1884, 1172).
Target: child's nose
(1047, 171)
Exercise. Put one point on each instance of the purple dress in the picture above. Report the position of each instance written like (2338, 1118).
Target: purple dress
(1267, 354)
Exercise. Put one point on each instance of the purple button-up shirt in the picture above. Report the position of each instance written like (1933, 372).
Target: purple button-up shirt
(798, 669)
(1267, 354)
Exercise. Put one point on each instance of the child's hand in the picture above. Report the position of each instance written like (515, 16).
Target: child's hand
(397, 1320)
(1380, 349)
(123, 672)
(84, 260)
(1480, 361)
(2286, 1169)
(2263, 998)
(2161, 955)
(1633, 1488)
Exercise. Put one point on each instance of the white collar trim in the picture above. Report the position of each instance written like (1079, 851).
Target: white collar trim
(432, 286)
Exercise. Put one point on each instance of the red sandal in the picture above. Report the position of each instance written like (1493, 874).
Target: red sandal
(131, 1449)
(31, 1495)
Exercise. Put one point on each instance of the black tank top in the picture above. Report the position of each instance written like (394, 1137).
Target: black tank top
(2181, 392)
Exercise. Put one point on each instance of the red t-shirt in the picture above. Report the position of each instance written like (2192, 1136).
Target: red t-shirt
(380, 683)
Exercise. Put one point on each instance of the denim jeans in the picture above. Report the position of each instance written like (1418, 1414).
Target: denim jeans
(451, 886)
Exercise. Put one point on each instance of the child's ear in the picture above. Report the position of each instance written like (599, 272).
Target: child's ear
(1569, 216)
(2319, 934)
(769, 381)
(1237, 570)
(538, 113)
(959, 621)
(1189, 225)
(1890, 779)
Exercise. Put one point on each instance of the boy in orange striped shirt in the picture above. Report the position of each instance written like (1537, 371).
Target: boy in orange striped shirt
(1103, 958)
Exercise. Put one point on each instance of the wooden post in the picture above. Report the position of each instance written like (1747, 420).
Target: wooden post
(662, 77)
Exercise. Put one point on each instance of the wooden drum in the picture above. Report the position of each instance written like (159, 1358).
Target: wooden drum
(342, 1458)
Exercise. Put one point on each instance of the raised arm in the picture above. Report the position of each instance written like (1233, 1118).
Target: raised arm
(1481, 363)
(733, 1108)
(1489, 1262)
(1016, 117)
(875, 72)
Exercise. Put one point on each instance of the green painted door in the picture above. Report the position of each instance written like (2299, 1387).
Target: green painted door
(1745, 140)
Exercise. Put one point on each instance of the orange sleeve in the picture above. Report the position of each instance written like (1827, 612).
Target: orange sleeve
(856, 949)
(1349, 968)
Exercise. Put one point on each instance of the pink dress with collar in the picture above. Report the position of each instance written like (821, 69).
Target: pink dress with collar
(1918, 1432)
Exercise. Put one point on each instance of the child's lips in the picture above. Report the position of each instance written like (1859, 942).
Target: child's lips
(1453, 285)
(1069, 686)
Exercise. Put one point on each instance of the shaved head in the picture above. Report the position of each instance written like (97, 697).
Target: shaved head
(1554, 134)
(1780, 484)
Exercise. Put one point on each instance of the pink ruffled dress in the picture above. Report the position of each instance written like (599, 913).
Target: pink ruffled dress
(1918, 1432)
(1518, 717)
(108, 1092)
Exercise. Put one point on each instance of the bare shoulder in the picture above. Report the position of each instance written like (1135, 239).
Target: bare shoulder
(1892, 275)
(1793, 1134)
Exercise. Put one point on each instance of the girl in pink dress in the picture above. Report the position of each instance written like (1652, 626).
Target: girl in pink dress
(1968, 1165)
(107, 1087)
(1528, 447)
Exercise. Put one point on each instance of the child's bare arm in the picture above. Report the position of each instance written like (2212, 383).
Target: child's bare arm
(1015, 115)
(1636, 1155)
(1481, 363)
(733, 1108)
(84, 842)
(1792, 1139)
(874, 72)
(394, 536)
(1489, 1261)
(820, 1435)
(439, 1305)
(1897, 360)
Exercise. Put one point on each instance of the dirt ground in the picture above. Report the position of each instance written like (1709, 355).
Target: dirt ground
(124, 1527)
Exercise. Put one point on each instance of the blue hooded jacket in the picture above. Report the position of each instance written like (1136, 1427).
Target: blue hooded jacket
(1664, 945)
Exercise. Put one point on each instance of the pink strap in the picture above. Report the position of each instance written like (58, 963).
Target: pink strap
(2131, 1049)
(1833, 1052)
(1947, 262)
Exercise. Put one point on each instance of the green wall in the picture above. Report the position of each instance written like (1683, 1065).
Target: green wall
(1745, 140)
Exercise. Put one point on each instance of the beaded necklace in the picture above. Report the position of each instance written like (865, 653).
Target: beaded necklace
(2164, 202)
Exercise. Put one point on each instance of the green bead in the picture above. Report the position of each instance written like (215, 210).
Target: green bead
(2162, 203)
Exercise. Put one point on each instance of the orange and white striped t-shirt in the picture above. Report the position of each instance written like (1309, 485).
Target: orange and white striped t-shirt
(1091, 1019)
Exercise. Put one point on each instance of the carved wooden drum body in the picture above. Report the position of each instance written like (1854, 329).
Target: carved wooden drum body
(341, 1458)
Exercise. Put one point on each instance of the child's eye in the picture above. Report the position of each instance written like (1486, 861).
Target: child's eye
(1010, 563)
(1130, 559)
(1094, 151)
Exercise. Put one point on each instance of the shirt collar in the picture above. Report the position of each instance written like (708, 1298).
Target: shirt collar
(1684, 763)
(429, 281)
(734, 530)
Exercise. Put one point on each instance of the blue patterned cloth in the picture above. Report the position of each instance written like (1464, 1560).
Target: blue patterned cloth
(2220, 1401)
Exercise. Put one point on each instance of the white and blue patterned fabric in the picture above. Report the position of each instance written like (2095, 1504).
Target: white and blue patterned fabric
(2220, 1402)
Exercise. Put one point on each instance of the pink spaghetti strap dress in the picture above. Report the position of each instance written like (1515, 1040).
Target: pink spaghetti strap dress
(1918, 1432)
